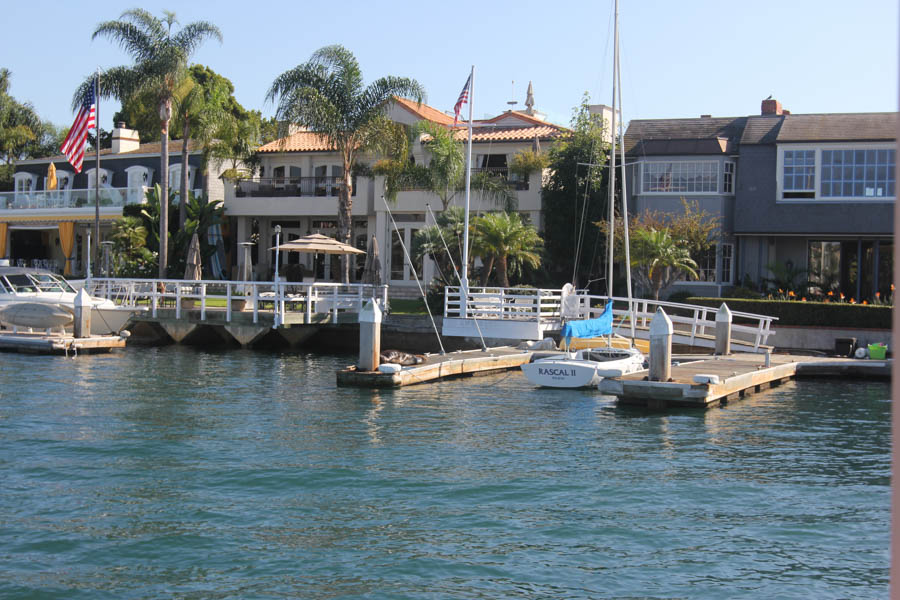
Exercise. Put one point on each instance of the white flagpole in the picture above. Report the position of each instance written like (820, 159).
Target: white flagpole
(464, 280)
(97, 171)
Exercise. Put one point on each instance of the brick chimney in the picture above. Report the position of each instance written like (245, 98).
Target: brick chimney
(771, 107)
(124, 140)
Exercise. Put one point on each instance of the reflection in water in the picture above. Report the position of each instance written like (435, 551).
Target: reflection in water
(169, 472)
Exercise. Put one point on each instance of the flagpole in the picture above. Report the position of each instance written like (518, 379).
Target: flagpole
(95, 248)
(464, 280)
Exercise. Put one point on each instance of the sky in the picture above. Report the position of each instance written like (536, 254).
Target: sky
(680, 58)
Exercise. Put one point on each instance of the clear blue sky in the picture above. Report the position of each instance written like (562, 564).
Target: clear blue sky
(679, 58)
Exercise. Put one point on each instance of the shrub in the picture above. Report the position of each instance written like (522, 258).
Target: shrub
(809, 314)
(679, 296)
(742, 292)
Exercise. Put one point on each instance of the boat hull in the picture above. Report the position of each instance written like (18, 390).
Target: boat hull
(560, 373)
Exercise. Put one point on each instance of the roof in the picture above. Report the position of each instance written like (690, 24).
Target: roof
(705, 135)
(301, 141)
(423, 111)
(839, 127)
(510, 134)
(149, 148)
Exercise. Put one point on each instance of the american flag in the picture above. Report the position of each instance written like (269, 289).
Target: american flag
(76, 141)
(463, 98)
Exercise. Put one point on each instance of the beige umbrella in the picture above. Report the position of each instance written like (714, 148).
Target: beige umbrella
(193, 269)
(51, 177)
(317, 243)
(372, 271)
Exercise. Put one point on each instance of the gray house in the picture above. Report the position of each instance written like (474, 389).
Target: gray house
(808, 194)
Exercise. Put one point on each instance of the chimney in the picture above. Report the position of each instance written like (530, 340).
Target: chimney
(124, 140)
(771, 107)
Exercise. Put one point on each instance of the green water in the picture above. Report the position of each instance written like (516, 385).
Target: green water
(176, 473)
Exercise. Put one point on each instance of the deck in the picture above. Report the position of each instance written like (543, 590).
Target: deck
(57, 343)
(437, 367)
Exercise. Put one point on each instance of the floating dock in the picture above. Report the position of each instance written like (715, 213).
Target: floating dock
(58, 343)
(436, 367)
(716, 380)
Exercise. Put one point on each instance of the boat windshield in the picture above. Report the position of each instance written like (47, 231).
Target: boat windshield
(24, 283)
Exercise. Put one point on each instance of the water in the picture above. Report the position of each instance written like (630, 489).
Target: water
(176, 473)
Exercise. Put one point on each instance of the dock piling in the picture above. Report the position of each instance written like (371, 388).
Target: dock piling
(661, 331)
(369, 336)
(82, 327)
(723, 330)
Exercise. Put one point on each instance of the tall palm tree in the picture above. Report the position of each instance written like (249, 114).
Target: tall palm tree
(161, 59)
(502, 237)
(326, 94)
(660, 259)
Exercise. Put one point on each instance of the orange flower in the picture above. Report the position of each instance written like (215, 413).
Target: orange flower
(830, 293)
(852, 301)
(842, 295)
(892, 285)
(803, 299)
(780, 291)
(791, 294)
(877, 294)
(864, 301)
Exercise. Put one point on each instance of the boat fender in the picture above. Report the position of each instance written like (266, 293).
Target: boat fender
(705, 378)
(389, 368)
(860, 352)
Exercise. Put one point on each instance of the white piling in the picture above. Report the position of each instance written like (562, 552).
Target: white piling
(369, 336)
(723, 330)
(661, 331)
(83, 306)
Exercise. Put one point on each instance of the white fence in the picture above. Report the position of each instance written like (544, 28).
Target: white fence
(284, 297)
(538, 310)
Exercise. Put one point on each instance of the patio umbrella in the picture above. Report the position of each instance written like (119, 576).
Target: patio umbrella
(372, 271)
(317, 243)
(193, 269)
(51, 177)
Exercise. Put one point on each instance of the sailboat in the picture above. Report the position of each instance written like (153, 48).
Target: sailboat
(587, 367)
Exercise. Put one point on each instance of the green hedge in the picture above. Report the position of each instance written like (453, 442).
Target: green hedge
(810, 314)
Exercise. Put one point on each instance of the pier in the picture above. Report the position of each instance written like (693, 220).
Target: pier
(58, 343)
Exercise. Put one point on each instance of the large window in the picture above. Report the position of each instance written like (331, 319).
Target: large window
(857, 173)
(799, 173)
(727, 263)
(728, 178)
(706, 264)
(699, 176)
(824, 266)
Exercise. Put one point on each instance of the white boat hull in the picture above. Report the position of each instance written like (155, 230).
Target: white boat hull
(579, 370)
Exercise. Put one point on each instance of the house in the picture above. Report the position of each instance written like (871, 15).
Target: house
(810, 194)
(35, 222)
(298, 186)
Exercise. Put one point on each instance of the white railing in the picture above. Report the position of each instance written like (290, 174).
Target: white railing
(279, 299)
(548, 307)
(109, 197)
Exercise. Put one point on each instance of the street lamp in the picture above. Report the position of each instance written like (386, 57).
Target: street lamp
(279, 305)
(277, 243)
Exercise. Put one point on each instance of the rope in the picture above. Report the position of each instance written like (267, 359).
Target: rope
(416, 275)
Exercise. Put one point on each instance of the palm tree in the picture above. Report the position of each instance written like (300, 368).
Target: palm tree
(502, 237)
(326, 95)
(161, 60)
(659, 258)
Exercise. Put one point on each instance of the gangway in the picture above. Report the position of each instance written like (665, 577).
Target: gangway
(530, 313)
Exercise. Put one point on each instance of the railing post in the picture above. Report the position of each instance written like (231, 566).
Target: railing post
(177, 301)
(154, 299)
(255, 287)
(309, 288)
(228, 302)
(334, 304)
(202, 301)
(723, 330)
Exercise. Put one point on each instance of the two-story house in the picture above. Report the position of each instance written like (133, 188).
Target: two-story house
(807, 194)
(297, 189)
(35, 222)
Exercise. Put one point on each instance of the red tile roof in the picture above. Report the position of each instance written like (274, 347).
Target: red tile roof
(511, 134)
(423, 111)
(301, 141)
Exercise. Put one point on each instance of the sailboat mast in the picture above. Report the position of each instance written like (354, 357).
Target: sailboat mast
(464, 280)
(625, 203)
(612, 159)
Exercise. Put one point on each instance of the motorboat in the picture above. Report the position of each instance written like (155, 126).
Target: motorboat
(583, 368)
(39, 299)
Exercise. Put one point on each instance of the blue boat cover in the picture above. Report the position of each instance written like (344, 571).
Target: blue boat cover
(588, 328)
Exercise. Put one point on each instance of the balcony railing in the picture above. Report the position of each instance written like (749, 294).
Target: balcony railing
(56, 199)
(283, 187)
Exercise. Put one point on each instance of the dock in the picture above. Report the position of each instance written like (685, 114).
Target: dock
(728, 378)
(58, 343)
(438, 367)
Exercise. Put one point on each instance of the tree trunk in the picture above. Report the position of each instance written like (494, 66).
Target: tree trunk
(165, 113)
(345, 218)
(182, 202)
(488, 267)
(502, 275)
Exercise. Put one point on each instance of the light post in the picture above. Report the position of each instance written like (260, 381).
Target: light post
(279, 305)
(277, 243)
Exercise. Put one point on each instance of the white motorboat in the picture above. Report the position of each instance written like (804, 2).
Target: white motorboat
(40, 290)
(583, 368)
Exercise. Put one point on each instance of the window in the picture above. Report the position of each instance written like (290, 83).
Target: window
(700, 176)
(296, 173)
(728, 178)
(727, 263)
(706, 264)
(857, 173)
(799, 173)
(278, 175)
(824, 266)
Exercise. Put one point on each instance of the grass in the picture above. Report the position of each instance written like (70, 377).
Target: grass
(407, 306)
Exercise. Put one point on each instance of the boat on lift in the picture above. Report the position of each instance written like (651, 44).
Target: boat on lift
(39, 299)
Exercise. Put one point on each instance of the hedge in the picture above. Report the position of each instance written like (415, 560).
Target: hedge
(809, 314)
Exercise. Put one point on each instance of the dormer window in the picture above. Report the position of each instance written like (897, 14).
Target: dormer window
(105, 178)
(24, 182)
(139, 177)
(175, 177)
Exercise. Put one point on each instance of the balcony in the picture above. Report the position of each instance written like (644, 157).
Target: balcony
(290, 187)
(70, 199)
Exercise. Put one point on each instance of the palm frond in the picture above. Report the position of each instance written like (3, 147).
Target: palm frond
(192, 35)
(138, 44)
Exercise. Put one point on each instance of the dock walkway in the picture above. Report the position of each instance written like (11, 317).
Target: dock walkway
(57, 343)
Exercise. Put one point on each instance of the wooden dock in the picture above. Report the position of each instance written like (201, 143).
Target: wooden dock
(436, 367)
(738, 375)
(57, 343)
